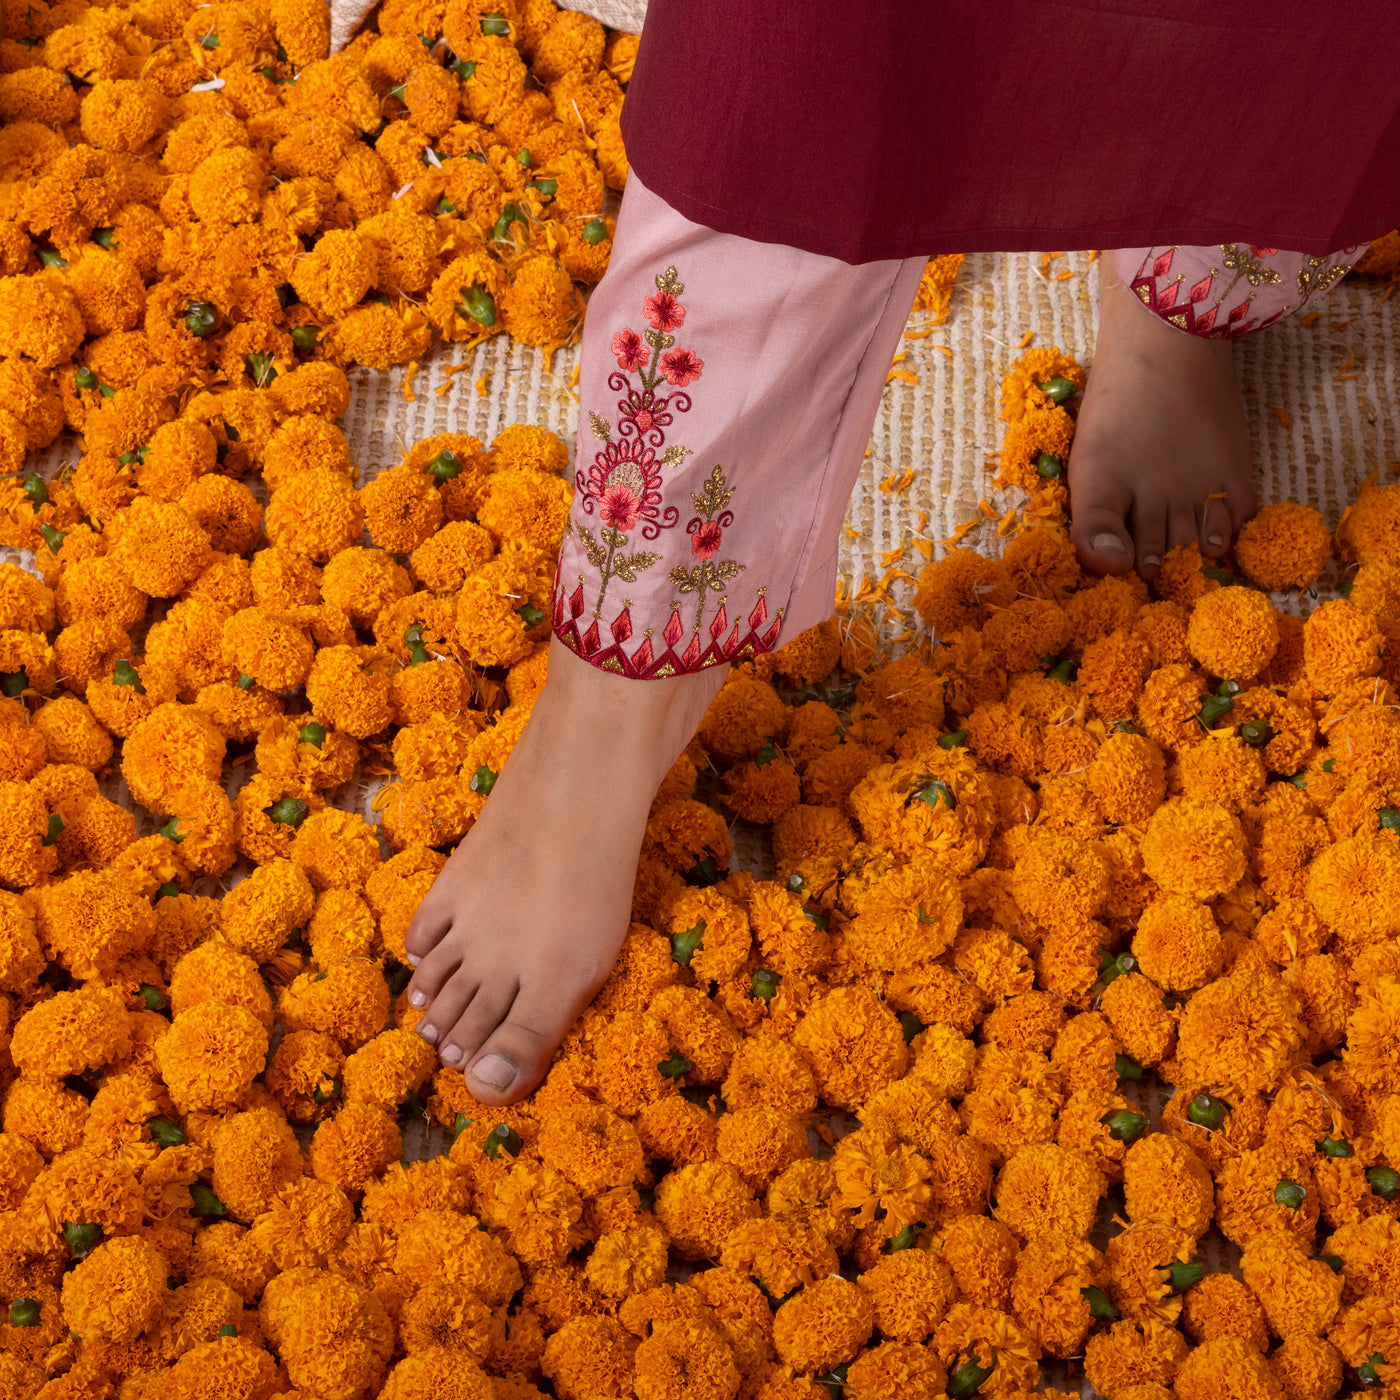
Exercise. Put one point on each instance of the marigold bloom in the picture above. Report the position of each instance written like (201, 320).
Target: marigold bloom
(1341, 644)
(700, 1204)
(1132, 1353)
(210, 1055)
(589, 1356)
(1046, 1187)
(117, 1291)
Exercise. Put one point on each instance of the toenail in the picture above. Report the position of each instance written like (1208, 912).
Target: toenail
(1153, 560)
(417, 999)
(451, 1055)
(1215, 541)
(494, 1072)
(1102, 542)
(429, 1033)
(412, 961)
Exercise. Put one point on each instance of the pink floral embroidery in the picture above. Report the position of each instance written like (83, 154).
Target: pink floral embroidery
(631, 353)
(664, 311)
(623, 488)
(681, 367)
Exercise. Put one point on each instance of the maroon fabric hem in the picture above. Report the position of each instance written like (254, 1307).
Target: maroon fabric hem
(759, 228)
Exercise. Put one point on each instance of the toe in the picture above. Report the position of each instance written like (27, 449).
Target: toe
(433, 975)
(487, 1009)
(1101, 539)
(516, 1055)
(1149, 539)
(445, 1009)
(1217, 527)
(1182, 531)
(425, 930)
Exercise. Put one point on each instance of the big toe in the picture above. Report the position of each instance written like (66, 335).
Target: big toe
(515, 1057)
(1101, 540)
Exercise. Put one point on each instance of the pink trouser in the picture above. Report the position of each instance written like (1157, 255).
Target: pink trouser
(716, 372)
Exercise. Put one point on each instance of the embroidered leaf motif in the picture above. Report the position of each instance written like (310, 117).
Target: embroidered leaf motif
(601, 431)
(674, 455)
(595, 552)
(707, 575)
(712, 496)
(659, 340)
(668, 282)
(630, 565)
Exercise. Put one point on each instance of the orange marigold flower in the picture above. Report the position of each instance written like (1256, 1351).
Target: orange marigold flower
(1341, 644)
(210, 1055)
(700, 1204)
(1046, 1187)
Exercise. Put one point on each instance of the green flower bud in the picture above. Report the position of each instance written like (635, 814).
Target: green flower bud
(1208, 1112)
(907, 1238)
(171, 831)
(1213, 708)
(547, 188)
(594, 231)
(503, 1136)
(1125, 1068)
(530, 615)
(685, 943)
(817, 917)
(674, 1065)
(201, 318)
(165, 1133)
(413, 640)
(81, 1239)
(24, 1312)
(511, 214)
(460, 1124)
(1180, 1276)
(312, 733)
(260, 370)
(1366, 1373)
(495, 25)
(245, 682)
(85, 378)
(764, 983)
(966, 1380)
(104, 238)
(1065, 671)
(1256, 732)
(55, 830)
(1220, 576)
(304, 339)
(1389, 819)
(1123, 1124)
(955, 740)
(1335, 1262)
(1228, 687)
(1048, 465)
(524, 157)
(1384, 1181)
(53, 538)
(169, 890)
(36, 488)
(795, 883)
(482, 781)
(834, 1381)
(1336, 1147)
(205, 1205)
(477, 304)
(444, 466)
(209, 41)
(14, 683)
(152, 997)
(1058, 389)
(50, 257)
(320, 1095)
(464, 69)
(288, 811)
(1289, 1193)
(228, 1330)
(935, 792)
(1111, 969)
(1099, 1306)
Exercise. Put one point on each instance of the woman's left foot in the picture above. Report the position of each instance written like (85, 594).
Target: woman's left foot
(1161, 448)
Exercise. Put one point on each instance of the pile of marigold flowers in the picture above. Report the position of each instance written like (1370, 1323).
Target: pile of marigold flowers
(195, 199)
(874, 1126)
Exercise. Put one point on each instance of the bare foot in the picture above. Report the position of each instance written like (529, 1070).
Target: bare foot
(1161, 450)
(523, 924)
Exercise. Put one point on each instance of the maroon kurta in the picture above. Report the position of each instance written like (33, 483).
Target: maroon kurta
(875, 129)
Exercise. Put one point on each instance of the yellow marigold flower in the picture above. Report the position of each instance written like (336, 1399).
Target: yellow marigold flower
(1178, 944)
(995, 1338)
(698, 1205)
(71, 1033)
(1285, 546)
(910, 916)
(1194, 847)
(315, 513)
(625, 1262)
(1164, 1181)
(348, 687)
(91, 920)
(1048, 1187)
(210, 1055)
(1341, 644)
(256, 1154)
(592, 1146)
(259, 913)
(336, 1339)
(305, 1224)
(1249, 1202)
(1240, 1031)
(303, 1076)
(854, 1043)
(1133, 1354)
(117, 1291)
(589, 1356)
(684, 833)
(1228, 1364)
(823, 1325)
(348, 1002)
(1036, 433)
(1308, 1367)
(1021, 386)
(539, 1211)
(1299, 1295)
(1233, 632)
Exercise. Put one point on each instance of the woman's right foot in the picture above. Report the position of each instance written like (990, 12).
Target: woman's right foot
(1161, 448)
(525, 921)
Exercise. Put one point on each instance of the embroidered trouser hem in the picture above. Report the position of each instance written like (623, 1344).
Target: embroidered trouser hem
(727, 389)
